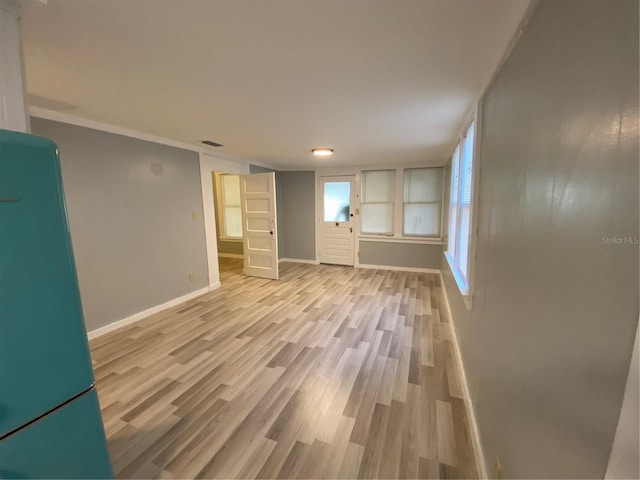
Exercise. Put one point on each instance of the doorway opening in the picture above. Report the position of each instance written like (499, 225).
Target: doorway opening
(228, 220)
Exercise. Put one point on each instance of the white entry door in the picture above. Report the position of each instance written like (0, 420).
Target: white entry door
(259, 221)
(336, 222)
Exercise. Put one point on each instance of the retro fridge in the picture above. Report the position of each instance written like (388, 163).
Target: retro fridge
(50, 423)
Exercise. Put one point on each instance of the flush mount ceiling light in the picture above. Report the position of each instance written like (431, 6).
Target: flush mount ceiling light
(322, 152)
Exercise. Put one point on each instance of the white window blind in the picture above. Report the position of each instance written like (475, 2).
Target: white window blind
(230, 212)
(376, 202)
(422, 202)
(453, 206)
(460, 209)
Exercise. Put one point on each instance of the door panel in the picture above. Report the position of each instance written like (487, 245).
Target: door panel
(259, 221)
(259, 243)
(44, 355)
(68, 443)
(257, 224)
(337, 237)
(257, 204)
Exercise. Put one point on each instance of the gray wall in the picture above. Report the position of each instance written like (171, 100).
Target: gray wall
(549, 339)
(130, 207)
(234, 248)
(224, 246)
(258, 169)
(297, 192)
(400, 254)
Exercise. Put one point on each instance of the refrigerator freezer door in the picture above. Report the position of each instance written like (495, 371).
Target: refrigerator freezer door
(44, 355)
(68, 443)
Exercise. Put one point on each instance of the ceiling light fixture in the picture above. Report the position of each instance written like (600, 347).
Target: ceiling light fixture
(322, 152)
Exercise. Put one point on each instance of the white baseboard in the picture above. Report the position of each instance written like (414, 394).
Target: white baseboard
(398, 269)
(214, 279)
(230, 255)
(298, 260)
(148, 312)
(475, 432)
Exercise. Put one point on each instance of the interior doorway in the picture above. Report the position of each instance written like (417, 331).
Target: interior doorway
(228, 221)
(221, 260)
(246, 234)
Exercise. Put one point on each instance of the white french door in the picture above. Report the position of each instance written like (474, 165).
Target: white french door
(337, 237)
(259, 222)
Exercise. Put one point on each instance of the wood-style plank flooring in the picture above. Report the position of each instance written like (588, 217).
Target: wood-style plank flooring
(330, 372)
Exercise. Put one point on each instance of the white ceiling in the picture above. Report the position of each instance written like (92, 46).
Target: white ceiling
(378, 81)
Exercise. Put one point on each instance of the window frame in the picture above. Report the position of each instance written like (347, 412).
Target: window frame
(464, 282)
(438, 236)
(392, 203)
(398, 208)
(221, 208)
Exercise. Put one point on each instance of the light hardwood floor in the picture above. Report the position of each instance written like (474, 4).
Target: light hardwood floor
(330, 372)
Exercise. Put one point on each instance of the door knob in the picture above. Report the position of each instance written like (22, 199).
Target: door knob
(271, 232)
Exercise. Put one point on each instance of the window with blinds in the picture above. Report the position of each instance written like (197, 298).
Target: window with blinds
(422, 202)
(460, 209)
(377, 202)
(230, 211)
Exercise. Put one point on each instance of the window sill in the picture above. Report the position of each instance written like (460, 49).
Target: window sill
(416, 240)
(461, 282)
(227, 239)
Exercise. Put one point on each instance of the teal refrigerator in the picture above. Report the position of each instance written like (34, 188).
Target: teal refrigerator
(50, 423)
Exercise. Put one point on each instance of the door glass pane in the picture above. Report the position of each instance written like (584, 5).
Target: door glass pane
(337, 196)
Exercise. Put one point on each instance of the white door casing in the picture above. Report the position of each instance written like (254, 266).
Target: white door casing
(259, 221)
(336, 222)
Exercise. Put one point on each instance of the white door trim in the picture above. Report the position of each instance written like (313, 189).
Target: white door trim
(208, 165)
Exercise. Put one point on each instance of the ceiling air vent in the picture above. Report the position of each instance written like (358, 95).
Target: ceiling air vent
(211, 143)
